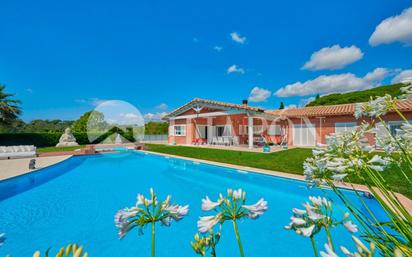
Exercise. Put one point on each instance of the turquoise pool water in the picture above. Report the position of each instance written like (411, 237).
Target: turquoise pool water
(75, 201)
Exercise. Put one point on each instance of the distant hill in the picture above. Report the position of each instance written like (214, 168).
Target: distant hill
(358, 96)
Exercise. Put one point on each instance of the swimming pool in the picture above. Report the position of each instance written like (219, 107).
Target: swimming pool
(76, 200)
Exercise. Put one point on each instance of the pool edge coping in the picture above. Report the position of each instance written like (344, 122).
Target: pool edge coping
(67, 157)
(402, 198)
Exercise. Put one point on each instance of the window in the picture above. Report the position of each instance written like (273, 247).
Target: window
(344, 126)
(257, 129)
(394, 126)
(274, 130)
(219, 131)
(180, 130)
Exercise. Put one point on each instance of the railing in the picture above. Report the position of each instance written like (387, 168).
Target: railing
(159, 139)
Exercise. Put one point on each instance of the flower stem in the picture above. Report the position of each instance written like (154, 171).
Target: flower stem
(329, 238)
(238, 238)
(213, 253)
(315, 250)
(153, 239)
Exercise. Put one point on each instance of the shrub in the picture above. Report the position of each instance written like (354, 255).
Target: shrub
(38, 139)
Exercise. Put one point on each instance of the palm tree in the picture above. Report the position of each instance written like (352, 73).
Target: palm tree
(9, 108)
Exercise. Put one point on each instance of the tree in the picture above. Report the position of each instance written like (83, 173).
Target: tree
(282, 106)
(96, 121)
(80, 125)
(156, 128)
(9, 108)
(317, 97)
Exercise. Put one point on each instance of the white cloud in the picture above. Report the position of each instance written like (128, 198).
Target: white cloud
(130, 116)
(162, 106)
(403, 76)
(394, 29)
(259, 94)
(337, 83)
(377, 74)
(304, 101)
(291, 106)
(234, 68)
(334, 57)
(92, 101)
(29, 90)
(218, 48)
(154, 116)
(238, 38)
(195, 40)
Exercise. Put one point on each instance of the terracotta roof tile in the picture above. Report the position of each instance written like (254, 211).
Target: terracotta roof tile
(213, 103)
(330, 110)
(323, 110)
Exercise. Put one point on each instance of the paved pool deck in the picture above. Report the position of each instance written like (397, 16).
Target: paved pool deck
(16, 167)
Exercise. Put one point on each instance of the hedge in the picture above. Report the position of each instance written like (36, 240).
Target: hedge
(38, 139)
(51, 139)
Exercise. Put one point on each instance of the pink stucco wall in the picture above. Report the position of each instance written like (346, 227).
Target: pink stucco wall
(324, 126)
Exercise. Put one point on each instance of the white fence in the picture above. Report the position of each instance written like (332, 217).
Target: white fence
(157, 139)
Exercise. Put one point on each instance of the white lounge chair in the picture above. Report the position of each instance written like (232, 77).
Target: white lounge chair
(214, 141)
(226, 141)
(20, 151)
(235, 141)
(220, 141)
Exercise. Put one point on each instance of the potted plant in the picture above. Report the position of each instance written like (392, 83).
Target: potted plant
(266, 148)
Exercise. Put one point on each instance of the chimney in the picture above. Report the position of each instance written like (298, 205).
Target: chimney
(244, 103)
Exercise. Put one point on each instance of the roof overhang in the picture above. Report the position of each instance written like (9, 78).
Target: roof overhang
(223, 109)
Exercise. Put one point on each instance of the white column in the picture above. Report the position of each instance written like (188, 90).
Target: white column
(209, 129)
(250, 131)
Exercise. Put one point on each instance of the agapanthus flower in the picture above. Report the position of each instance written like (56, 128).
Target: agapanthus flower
(148, 211)
(362, 249)
(208, 204)
(353, 228)
(375, 107)
(230, 208)
(329, 252)
(406, 92)
(206, 223)
(206, 242)
(225, 208)
(239, 194)
(316, 216)
(346, 153)
(256, 209)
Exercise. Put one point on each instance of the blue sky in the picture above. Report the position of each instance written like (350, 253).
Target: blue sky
(63, 57)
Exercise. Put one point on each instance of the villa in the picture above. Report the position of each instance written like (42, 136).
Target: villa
(217, 123)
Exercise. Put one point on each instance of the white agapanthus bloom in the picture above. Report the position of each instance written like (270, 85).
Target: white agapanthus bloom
(226, 208)
(206, 223)
(346, 153)
(256, 209)
(407, 92)
(329, 252)
(375, 107)
(208, 205)
(362, 249)
(353, 228)
(316, 216)
(146, 211)
(230, 208)
(309, 222)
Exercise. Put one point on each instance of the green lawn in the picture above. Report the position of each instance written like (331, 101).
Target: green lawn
(58, 149)
(289, 161)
